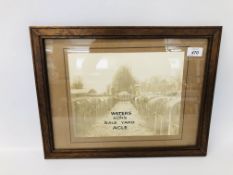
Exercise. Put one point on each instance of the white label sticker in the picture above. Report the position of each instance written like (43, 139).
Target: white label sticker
(194, 51)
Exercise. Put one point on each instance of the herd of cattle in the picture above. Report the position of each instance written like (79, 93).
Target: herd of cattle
(91, 107)
(87, 109)
(161, 113)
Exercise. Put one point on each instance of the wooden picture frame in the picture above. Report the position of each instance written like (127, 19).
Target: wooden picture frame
(189, 43)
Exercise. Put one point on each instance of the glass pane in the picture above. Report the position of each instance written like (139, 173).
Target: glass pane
(118, 93)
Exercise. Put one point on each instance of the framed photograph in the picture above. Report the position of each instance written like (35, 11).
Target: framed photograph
(125, 91)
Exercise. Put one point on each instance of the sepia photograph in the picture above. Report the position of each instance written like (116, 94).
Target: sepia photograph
(125, 93)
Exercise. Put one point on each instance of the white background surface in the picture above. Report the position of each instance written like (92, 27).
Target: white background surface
(20, 136)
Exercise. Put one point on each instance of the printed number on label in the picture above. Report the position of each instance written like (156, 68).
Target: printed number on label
(194, 51)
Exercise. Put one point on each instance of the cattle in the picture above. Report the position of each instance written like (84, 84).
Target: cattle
(165, 115)
(161, 113)
(87, 109)
(156, 113)
(174, 107)
(141, 104)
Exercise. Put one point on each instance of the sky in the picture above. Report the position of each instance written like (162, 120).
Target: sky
(97, 69)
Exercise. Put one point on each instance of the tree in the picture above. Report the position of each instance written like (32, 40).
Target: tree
(123, 80)
(78, 84)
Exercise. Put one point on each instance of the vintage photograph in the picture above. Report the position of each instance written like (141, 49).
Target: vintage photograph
(125, 94)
